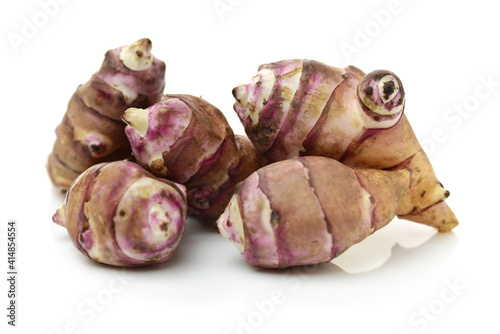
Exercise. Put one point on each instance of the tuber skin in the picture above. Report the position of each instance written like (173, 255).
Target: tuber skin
(119, 214)
(322, 209)
(92, 130)
(302, 107)
(187, 140)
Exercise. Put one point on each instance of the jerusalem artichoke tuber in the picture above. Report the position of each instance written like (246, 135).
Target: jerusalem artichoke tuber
(118, 214)
(322, 208)
(188, 140)
(303, 107)
(92, 130)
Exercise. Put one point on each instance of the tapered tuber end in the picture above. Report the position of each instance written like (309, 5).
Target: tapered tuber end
(230, 224)
(252, 98)
(241, 97)
(222, 223)
(59, 216)
(137, 56)
(137, 119)
(240, 94)
(382, 98)
(424, 203)
(438, 215)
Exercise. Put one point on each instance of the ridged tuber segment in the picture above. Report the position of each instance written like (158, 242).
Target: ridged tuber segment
(189, 141)
(302, 107)
(322, 209)
(119, 214)
(92, 130)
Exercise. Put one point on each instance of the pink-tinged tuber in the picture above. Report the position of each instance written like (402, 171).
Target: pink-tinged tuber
(189, 141)
(303, 107)
(119, 214)
(92, 130)
(309, 210)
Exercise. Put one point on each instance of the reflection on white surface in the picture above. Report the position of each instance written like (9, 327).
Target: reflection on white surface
(398, 237)
(393, 271)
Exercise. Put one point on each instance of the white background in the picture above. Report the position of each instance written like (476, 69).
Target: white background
(404, 279)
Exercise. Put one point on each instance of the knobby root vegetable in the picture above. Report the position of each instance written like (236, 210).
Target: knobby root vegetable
(189, 141)
(313, 214)
(119, 214)
(92, 130)
(303, 107)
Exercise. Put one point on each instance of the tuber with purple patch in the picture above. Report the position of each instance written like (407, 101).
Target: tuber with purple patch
(92, 130)
(312, 215)
(119, 214)
(187, 140)
(302, 107)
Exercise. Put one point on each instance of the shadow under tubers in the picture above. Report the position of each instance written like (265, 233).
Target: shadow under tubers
(426, 259)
